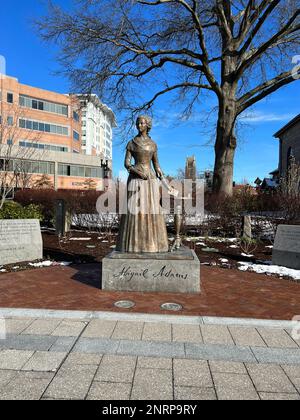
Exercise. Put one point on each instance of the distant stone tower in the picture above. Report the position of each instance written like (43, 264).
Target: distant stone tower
(190, 168)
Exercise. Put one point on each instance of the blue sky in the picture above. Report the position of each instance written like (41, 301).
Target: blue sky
(33, 63)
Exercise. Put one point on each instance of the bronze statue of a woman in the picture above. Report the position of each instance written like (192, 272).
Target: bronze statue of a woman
(143, 228)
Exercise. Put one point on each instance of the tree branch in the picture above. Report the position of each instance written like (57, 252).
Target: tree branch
(263, 90)
(287, 29)
(256, 29)
(148, 104)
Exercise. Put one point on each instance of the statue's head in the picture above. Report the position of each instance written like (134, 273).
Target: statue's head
(147, 119)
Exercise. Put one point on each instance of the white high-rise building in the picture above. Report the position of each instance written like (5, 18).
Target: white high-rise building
(98, 121)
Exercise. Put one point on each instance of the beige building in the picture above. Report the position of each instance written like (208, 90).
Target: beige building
(44, 129)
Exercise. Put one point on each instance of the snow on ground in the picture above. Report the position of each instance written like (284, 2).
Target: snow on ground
(247, 255)
(80, 239)
(270, 269)
(216, 239)
(224, 260)
(233, 246)
(270, 246)
(49, 264)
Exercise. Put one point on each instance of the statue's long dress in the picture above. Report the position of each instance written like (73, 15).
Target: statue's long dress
(143, 228)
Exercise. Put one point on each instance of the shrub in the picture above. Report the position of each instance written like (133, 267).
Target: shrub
(77, 202)
(13, 210)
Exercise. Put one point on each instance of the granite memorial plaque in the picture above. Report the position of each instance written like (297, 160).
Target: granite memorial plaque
(20, 241)
(177, 272)
(286, 251)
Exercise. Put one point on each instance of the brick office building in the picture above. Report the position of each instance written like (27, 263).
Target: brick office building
(47, 124)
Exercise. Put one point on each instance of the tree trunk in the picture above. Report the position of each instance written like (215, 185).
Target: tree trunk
(225, 147)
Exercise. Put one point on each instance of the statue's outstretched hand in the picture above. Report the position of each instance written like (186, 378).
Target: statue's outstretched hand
(159, 173)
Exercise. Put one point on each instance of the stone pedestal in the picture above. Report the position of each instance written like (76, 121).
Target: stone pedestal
(286, 251)
(174, 272)
(20, 240)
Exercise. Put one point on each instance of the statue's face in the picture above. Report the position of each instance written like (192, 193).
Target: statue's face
(142, 125)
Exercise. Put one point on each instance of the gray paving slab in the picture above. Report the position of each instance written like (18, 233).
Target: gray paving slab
(277, 338)
(277, 356)
(192, 373)
(293, 372)
(270, 378)
(232, 380)
(126, 330)
(63, 344)
(152, 384)
(188, 393)
(83, 359)
(186, 333)
(44, 361)
(219, 352)
(17, 326)
(105, 391)
(235, 394)
(28, 342)
(154, 363)
(14, 359)
(216, 334)
(25, 387)
(68, 328)
(227, 367)
(151, 348)
(247, 322)
(6, 376)
(246, 336)
(42, 326)
(278, 397)
(117, 369)
(95, 345)
(157, 332)
(71, 382)
(99, 328)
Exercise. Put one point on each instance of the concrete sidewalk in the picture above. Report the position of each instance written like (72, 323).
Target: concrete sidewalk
(107, 356)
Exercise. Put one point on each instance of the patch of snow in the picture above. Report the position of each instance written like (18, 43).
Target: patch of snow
(80, 239)
(270, 269)
(113, 246)
(3, 271)
(49, 264)
(233, 246)
(200, 243)
(224, 260)
(16, 268)
(41, 264)
(105, 242)
(270, 246)
(247, 255)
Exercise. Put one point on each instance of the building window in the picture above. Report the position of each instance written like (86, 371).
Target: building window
(10, 142)
(10, 121)
(290, 155)
(10, 98)
(41, 105)
(79, 171)
(76, 116)
(44, 127)
(44, 146)
(76, 135)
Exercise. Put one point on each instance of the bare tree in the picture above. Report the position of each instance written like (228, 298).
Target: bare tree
(128, 50)
(15, 160)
